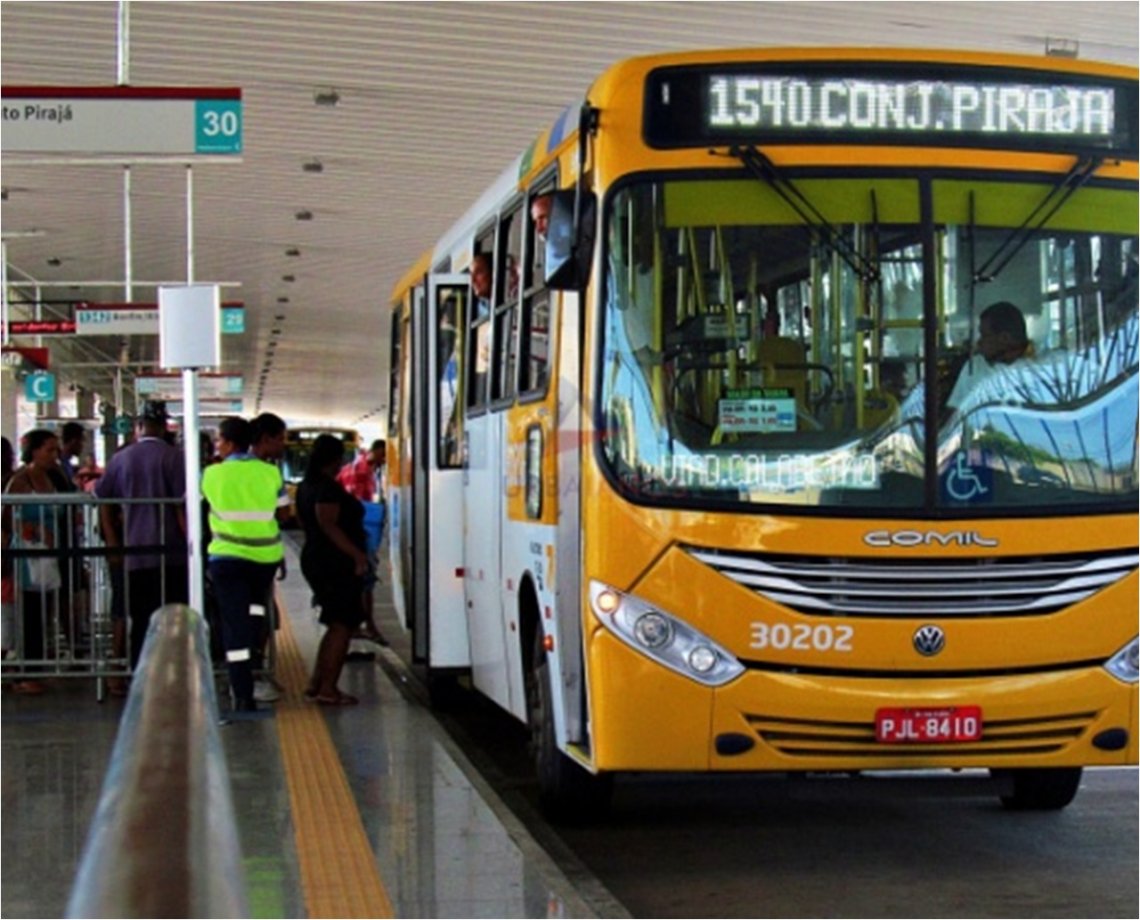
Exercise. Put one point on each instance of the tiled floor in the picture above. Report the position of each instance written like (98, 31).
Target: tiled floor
(439, 844)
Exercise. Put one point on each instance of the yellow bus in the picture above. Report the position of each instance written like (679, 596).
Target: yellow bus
(298, 449)
(797, 427)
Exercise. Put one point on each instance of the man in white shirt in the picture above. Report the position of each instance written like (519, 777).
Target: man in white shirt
(1002, 341)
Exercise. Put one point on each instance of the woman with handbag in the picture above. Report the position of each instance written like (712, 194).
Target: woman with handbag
(35, 526)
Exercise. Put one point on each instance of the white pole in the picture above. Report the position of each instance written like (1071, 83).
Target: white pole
(193, 487)
(124, 43)
(190, 436)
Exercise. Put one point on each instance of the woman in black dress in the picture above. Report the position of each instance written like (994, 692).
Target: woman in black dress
(334, 562)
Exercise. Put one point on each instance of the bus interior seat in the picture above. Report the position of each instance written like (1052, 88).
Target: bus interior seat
(785, 366)
(879, 407)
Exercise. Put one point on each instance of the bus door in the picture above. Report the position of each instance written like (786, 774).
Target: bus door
(439, 631)
(401, 460)
(483, 510)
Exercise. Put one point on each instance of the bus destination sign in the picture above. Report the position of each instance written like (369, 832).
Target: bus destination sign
(729, 105)
(959, 107)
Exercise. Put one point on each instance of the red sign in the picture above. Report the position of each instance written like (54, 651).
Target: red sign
(37, 357)
(42, 327)
(928, 726)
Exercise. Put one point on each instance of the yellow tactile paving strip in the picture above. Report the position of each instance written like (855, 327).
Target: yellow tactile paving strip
(338, 870)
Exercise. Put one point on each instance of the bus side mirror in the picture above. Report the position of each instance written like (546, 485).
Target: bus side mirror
(570, 249)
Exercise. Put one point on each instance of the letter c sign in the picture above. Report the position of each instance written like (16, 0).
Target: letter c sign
(39, 387)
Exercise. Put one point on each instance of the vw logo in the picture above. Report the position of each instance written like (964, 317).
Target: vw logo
(929, 640)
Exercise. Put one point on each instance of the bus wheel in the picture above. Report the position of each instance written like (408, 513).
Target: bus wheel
(567, 792)
(1040, 790)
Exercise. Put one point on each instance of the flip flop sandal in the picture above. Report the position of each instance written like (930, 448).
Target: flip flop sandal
(341, 699)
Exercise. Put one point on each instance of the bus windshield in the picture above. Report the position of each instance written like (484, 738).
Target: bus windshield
(299, 448)
(753, 356)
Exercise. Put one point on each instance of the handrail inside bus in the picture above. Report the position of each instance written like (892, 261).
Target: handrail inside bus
(164, 841)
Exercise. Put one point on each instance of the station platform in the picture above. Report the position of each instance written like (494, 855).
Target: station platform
(347, 811)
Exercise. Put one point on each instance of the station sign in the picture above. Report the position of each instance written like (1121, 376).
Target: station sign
(39, 386)
(169, 386)
(106, 321)
(25, 360)
(39, 327)
(233, 320)
(208, 407)
(141, 318)
(123, 120)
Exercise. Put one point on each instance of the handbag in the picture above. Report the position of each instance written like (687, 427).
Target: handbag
(40, 573)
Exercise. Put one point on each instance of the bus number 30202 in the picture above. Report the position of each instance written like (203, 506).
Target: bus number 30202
(802, 637)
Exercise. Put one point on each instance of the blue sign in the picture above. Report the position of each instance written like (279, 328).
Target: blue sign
(233, 320)
(966, 482)
(217, 126)
(39, 387)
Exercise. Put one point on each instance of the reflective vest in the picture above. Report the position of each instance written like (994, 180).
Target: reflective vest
(243, 509)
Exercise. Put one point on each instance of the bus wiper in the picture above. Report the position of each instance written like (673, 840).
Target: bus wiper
(757, 163)
(1083, 170)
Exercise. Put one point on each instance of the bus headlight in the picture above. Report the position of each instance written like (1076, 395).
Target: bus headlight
(653, 630)
(1125, 664)
(663, 637)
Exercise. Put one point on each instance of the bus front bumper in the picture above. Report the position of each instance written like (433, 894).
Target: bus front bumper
(646, 717)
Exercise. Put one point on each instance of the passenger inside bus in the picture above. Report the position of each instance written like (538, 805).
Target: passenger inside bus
(1002, 340)
(481, 283)
(481, 286)
(540, 214)
(893, 379)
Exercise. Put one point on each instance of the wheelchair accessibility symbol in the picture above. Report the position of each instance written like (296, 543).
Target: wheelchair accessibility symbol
(966, 483)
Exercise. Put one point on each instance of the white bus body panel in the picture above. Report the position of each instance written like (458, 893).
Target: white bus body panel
(484, 509)
(449, 646)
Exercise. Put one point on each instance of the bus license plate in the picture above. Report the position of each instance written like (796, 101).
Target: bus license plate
(928, 726)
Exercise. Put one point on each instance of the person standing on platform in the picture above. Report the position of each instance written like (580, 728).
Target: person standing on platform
(268, 436)
(150, 468)
(245, 548)
(334, 562)
(72, 439)
(361, 479)
(36, 526)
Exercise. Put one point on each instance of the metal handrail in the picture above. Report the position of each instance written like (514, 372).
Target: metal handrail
(164, 841)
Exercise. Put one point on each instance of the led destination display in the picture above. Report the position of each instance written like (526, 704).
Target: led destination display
(853, 103)
(820, 104)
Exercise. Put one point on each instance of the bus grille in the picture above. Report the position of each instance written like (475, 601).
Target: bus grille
(993, 587)
(810, 738)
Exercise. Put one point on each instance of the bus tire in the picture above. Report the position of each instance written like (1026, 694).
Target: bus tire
(1048, 789)
(567, 792)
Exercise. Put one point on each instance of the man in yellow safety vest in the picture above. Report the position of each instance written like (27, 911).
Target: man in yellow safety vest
(245, 548)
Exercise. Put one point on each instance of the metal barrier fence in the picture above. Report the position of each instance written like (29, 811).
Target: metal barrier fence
(164, 840)
(66, 590)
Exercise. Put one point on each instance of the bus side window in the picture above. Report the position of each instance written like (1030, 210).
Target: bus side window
(395, 368)
(503, 385)
(479, 339)
(536, 350)
(450, 320)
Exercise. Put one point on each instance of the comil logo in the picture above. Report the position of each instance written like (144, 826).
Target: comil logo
(888, 538)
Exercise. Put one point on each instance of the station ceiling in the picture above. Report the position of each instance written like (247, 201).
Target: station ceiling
(433, 100)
